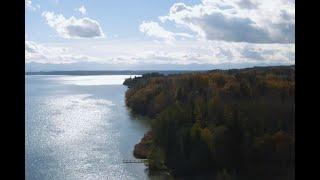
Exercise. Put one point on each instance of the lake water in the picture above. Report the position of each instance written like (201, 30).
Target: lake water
(78, 128)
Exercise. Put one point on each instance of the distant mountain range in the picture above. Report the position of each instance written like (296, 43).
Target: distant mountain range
(141, 72)
(93, 66)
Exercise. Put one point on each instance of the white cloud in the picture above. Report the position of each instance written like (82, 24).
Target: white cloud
(82, 10)
(73, 27)
(29, 5)
(39, 53)
(235, 31)
(252, 21)
(153, 29)
(146, 52)
(248, 4)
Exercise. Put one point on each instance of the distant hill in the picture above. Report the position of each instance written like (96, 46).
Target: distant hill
(93, 66)
(141, 72)
(84, 73)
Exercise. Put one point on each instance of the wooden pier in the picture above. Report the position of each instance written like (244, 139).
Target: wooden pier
(134, 160)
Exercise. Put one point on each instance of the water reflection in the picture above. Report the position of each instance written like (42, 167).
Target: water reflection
(77, 130)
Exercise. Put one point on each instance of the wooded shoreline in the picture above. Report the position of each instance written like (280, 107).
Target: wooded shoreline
(232, 123)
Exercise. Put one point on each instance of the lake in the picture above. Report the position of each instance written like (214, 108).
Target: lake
(78, 128)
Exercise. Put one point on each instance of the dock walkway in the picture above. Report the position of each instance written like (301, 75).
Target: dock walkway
(134, 160)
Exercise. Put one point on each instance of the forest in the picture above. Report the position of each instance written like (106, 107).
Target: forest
(225, 124)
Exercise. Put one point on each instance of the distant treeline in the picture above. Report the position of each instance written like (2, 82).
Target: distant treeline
(86, 73)
(231, 124)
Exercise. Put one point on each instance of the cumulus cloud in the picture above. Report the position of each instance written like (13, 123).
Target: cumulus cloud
(39, 53)
(237, 20)
(28, 3)
(234, 31)
(73, 27)
(217, 52)
(82, 10)
(179, 52)
(153, 29)
(248, 4)
(30, 6)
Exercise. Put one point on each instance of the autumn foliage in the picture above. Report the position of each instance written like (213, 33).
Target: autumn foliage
(233, 123)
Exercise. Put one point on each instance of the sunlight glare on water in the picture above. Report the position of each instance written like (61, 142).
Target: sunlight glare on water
(78, 128)
(94, 80)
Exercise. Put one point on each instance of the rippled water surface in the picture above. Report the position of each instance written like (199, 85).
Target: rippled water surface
(78, 128)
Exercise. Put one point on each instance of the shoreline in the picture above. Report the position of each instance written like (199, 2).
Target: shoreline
(142, 149)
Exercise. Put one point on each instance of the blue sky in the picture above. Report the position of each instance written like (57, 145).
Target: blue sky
(120, 18)
(143, 33)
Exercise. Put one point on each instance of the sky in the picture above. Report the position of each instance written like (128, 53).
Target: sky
(158, 34)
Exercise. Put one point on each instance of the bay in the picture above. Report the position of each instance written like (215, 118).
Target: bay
(78, 127)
